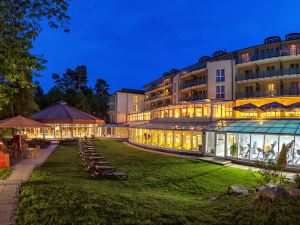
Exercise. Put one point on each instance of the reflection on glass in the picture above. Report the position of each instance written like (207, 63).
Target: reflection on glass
(296, 159)
(244, 146)
(271, 147)
(220, 148)
(210, 142)
(257, 146)
(232, 145)
(289, 142)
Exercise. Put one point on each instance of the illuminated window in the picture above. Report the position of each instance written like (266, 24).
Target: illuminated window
(220, 75)
(135, 103)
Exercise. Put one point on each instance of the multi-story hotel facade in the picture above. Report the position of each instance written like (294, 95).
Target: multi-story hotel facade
(242, 105)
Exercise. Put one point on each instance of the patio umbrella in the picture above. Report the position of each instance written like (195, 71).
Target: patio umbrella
(272, 105)
(20, 122)
(245, 107)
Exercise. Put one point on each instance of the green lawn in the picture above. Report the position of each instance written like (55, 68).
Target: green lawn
(4, 173)
(160, 190)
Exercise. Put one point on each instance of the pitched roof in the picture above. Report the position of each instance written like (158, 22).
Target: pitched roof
(131, 91)
(63, 113)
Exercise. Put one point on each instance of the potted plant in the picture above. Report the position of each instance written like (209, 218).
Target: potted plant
(234, 150)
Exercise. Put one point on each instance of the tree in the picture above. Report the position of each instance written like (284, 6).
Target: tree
(19, 27)
(72, 79)
(102, 95)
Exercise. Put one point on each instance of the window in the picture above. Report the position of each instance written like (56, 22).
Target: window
(220, 75)
(270, 68)
(294, 66)
(135, 103)
(220, 92)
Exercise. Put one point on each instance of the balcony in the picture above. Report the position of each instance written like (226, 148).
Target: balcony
(192, 83)
(110, 110)
(155, 97)
(111, 101)
(268, 93)
(269, 54)
(194, 98)
(157, 86)
(268, 74)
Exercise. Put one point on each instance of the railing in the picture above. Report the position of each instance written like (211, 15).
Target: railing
(111, 101)
(192, 83)
(194, 98)
(111, 110)
(270, 54)
(268, 93)
(268, 74)
(160, 85)
(157, 97)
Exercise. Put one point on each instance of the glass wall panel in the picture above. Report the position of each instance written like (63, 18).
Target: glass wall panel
(177, 139)
(198, 112)
(220, 147)
(187, 140)
(210, 142)
(257, 147)
(244, 146)
(176, 113)
(154, 138)
(169, 142)
(271, 147)
(232, 145)
(190, 112)
(183, 112)
(197, 141)
(161, 135)
(296, 160)
(289, 142)
(206, 110)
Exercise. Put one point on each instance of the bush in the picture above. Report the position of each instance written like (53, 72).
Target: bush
(72, 141)
(43, 143)
(297, 180)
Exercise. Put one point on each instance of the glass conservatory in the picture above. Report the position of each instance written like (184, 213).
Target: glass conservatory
(256, 140)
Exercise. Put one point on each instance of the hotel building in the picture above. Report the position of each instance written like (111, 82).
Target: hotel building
(242, 105)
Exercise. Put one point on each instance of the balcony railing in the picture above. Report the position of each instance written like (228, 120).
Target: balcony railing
(192, 83)
(268, 93)
(110, 110)
(268, 74)
(160, 85)
(270, 54)
(157, 97)
(194, 98)
(111, 101)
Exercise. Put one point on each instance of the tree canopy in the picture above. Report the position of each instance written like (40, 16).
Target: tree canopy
(20, 25)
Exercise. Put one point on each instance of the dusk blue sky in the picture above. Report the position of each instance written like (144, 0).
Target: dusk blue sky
(130, 43)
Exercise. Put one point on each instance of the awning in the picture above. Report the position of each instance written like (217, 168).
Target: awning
(294, 106)
(245, 107)
(21, 122)
(273, 105)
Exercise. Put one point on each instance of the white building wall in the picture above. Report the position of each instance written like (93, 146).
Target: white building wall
(124, 106)
(229, 82)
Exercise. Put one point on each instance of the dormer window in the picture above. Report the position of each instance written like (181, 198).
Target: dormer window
(273, 39)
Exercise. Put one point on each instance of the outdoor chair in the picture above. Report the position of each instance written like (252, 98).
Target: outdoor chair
(35, 152)
(24, 153)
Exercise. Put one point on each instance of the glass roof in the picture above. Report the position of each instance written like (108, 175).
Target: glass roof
(264, 126)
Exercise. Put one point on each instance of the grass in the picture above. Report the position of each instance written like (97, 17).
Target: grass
(4, 173)
(160, 190)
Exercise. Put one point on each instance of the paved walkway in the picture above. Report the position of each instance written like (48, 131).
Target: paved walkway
(9, 188)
